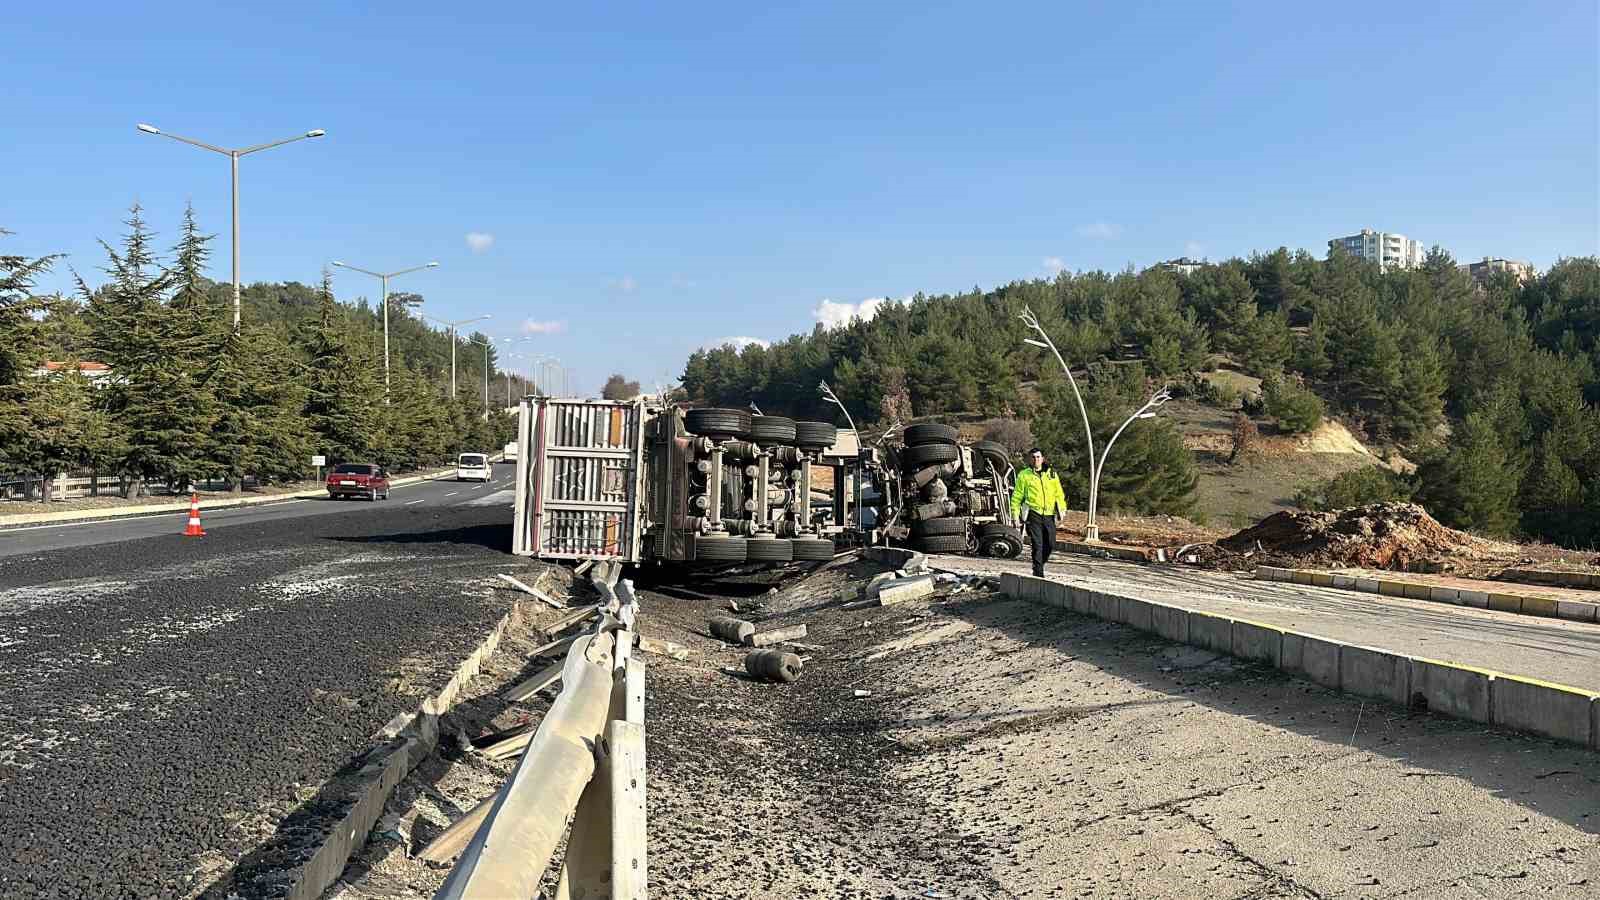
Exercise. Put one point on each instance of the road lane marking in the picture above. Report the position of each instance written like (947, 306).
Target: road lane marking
(452, 493)
(423, 500)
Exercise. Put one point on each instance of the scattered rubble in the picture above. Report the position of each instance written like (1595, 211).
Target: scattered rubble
(734, 631)
(776, 636)
(773, 665)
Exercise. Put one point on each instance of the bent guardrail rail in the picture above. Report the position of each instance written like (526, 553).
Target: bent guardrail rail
(586, 761)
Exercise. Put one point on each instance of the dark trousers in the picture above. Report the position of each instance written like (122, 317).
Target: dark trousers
(1042, 535)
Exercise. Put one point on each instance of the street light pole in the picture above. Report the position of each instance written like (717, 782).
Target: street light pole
(453, 326)
(1147, 411)
(383, 278)
(485, 345)
(233, 156)
(1091, 531)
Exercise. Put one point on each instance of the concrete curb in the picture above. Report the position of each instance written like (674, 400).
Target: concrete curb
(408, 739)
(149, 509)
(1558, 711)
(1554, 577)
(1504, 601)
(1102, 551)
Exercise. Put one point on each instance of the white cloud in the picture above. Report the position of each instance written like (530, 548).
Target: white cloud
(531, 326)
(1053, 264)
(479, 241)
(833, 314)
(1194, 249)
(1104, 231)
(739, 343)
(626, 284)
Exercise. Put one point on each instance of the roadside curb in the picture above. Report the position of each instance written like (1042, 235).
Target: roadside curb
(1568, 714)
(408, 738)
(1504, 601)
(1554, 577)
(76, 515)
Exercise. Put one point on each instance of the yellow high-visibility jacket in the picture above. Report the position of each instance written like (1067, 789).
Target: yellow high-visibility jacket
(1040, 491)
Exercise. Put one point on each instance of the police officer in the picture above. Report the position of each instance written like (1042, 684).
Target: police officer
(1039, 489)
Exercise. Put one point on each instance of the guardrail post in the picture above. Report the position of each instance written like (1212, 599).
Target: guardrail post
(629, 854)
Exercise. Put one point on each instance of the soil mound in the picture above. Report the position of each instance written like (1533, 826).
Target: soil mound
(1400, 536)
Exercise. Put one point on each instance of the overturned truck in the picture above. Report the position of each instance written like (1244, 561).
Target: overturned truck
(646, 482)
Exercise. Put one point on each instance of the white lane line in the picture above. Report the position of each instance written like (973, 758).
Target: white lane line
(452, 493)
(423, 500)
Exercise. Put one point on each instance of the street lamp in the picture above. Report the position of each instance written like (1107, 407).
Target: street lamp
(384, 277)
(1091, 532)
(485, 345)
(233, 155)
(452, 326)
(1147, 411)
(830, 396)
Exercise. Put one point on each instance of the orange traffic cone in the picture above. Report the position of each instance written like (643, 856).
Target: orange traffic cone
(194, 529)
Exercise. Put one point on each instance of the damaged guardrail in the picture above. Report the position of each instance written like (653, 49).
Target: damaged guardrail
(585, 762)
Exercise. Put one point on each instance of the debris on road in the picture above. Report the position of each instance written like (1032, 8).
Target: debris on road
(541, 595)
(773, 665)
(904, 589)
(734, 631)
(775, 636)
(664, 648)
(1398, 536)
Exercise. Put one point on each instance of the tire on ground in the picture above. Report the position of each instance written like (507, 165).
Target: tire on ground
(719, 549)
(929, 455)
(812, 550)
(761, 549)
(772, 429)
(713, 422)
(945, 526)
(815, 435)
(943, 543)
(930, 433)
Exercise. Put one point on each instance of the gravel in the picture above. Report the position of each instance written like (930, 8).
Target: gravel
(175, 706)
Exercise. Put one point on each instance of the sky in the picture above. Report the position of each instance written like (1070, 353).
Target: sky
(619, 184)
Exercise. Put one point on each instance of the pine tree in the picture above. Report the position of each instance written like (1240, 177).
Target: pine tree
(342, 401)
(1416, 403)
(1474, 483)
(20, 354)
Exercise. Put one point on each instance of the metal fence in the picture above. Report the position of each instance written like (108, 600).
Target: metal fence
(72, 487)
(585, 762)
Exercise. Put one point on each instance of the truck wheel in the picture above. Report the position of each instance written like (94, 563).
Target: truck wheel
(945, 526)
(943, 543)
(929, 455)
(999, 541)
(719, 549)
(811, 550)
(772, 430)
(718, 423)
(995, 451)
(764, 549)
(815, 435)
(930, 433)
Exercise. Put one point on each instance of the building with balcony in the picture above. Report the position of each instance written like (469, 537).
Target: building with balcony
(1387, 249)
(1481, 272)
(1183, 265)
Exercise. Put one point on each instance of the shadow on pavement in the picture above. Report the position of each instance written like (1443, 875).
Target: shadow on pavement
(493, 536)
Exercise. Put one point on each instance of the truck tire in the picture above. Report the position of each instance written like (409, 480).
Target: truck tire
(999, 541)
(815, 435)
(719, 548)
(713, 422)
(772, 430)
(930, 433)
(768, 549)
(996, 451)
(943, 543)
(812, 550)
(945, 526)
(929, 455)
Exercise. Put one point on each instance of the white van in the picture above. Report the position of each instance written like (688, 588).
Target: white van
(473, 467)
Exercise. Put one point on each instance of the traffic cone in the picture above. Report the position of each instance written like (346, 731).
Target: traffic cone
(194, 529)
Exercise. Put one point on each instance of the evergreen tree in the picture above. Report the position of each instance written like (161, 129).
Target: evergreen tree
(1473, 484)
(343, 397)
(1417, 401)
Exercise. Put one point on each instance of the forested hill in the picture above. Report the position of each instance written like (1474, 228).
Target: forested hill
(1490, 387)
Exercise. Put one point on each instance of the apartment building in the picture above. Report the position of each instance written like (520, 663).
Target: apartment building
(1387, 249)
(1481, 272)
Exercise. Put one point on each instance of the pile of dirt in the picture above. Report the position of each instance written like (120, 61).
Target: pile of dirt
(1399, 536)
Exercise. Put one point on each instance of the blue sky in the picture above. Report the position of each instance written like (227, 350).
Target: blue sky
(657, 176)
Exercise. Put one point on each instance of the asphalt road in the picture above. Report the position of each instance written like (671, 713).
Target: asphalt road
(169, 702)
(432, 494)
(1530, 646)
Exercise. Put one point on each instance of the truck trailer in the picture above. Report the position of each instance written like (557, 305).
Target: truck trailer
(641, 481)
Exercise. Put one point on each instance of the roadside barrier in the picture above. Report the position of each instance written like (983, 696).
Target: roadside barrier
(586, 762)
(1509, 600)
